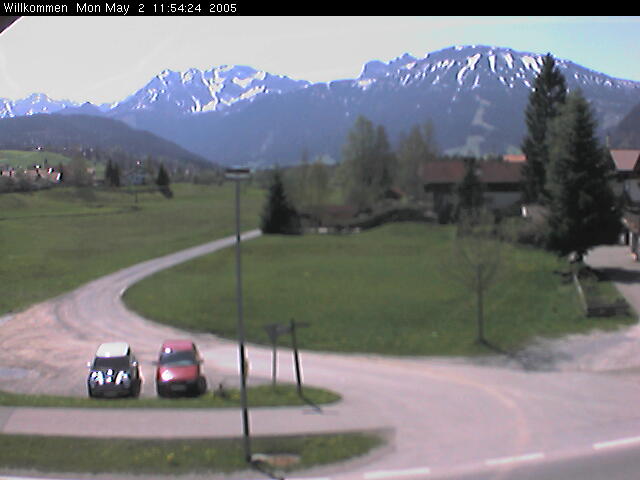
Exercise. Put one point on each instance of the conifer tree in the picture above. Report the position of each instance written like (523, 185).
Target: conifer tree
(116, 175)
(163, 177)
(112, 174)
(279, 216)
(108, 173)
(163, 181)
(583, 210)
(548, 95)
(470, 191)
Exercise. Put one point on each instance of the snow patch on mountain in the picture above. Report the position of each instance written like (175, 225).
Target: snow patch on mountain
(228, 87)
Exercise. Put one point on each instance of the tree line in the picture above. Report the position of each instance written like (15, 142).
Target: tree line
(369, 173)
(566, 172)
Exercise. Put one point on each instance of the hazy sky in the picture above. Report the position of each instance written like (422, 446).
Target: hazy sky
(106, 58)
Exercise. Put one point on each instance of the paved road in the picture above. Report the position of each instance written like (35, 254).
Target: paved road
(492, 419)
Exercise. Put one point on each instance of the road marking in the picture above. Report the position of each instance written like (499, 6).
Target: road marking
(616, 443)
(520, 458)
(397, 473)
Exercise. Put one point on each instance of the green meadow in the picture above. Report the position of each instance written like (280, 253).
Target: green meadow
(25, 159)
(55, 240)
(388, 290)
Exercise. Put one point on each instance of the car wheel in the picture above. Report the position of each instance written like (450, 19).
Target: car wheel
(202, 385)
(135, 388)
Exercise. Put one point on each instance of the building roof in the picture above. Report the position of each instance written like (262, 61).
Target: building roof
(625, 160)
(488, 172)
(514, 158)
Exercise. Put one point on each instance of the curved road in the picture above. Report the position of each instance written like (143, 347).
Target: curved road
(561, 409)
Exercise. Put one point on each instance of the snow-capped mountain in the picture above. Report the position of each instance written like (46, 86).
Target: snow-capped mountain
(196, 91)
(474, 96)
(170, 92)
(31, 105)
(467, 67)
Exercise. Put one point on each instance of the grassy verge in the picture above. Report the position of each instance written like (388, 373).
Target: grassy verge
(387, 291)
(172, 457)
(55, 240)
(259, 396)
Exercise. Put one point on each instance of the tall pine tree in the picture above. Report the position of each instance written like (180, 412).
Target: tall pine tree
(548, 95)
(163, 181)
(583, 210)
(470, 192)
(278, 215)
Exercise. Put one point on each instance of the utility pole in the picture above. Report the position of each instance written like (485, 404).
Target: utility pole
(238, 174)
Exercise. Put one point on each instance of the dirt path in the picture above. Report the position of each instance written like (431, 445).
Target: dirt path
(45, 348)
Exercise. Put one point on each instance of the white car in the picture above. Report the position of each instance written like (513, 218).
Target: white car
(114, 372)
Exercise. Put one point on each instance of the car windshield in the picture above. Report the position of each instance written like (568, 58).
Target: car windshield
(179, 358)
(114, 363)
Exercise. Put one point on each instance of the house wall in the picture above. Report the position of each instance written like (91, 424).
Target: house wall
(502, 199)
(632, 188)
(441, 196)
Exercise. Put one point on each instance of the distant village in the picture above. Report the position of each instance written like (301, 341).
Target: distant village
(34, 173)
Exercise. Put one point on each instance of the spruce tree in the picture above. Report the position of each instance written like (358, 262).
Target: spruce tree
(470, 191)
(279, 216)
(108, 174)
(583, 210)
(163, 177)
(115, 175)
(548, 95)
(163, 181)
(112, 174)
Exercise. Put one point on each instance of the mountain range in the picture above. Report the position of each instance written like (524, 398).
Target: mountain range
(474, 96)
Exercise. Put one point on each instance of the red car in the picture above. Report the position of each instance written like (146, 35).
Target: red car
(179, 370)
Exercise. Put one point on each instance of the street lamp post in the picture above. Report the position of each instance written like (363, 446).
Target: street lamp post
(238, 174)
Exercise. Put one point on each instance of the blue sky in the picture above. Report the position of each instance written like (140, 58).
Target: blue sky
(104, 59)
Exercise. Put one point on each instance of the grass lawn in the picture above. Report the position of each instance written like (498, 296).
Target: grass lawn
(172, 457)
(55, 240)
(259, 396)
(26, 159)
(387, 291)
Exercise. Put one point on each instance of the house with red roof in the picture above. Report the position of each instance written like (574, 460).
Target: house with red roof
(626, 183)
(501, 180)
(627, 174)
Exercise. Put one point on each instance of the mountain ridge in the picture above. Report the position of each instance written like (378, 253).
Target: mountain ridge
(80, 132)
(473, 95)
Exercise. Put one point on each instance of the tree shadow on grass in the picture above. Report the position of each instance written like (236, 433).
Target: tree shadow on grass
(534, 358)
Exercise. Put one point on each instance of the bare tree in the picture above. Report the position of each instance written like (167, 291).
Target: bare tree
(476, 260)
